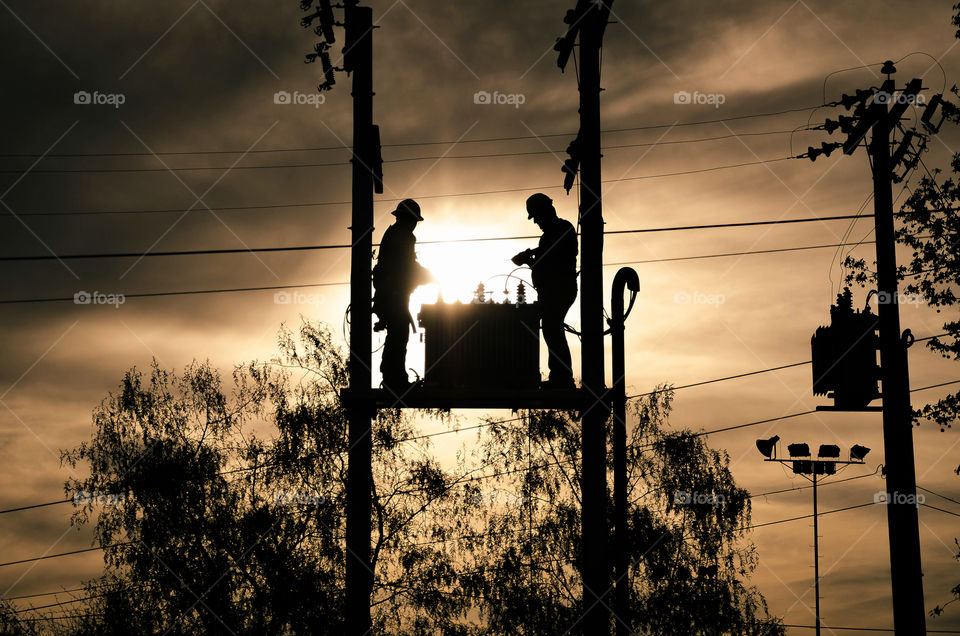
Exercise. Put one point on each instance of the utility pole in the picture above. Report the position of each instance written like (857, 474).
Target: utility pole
(357, 58)
(902, 519)
(359, 573)
(594, 527)
(880, 111)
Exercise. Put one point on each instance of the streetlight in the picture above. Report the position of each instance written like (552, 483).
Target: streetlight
(803, 463)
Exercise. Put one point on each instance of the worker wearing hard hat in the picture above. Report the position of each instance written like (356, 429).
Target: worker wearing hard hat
(395, 276)
(554, 269)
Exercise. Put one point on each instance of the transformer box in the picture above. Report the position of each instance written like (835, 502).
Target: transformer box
(481, 345)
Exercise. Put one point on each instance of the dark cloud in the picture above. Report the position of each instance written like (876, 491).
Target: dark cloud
(202, 76)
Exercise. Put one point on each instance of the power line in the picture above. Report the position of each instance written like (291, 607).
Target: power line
(61, 554)
(729, 377)
(785, 417)
(295, 248)
(344, 283)
(935, 386)
(240, 208)
(398, 160)
(727, 254)
(826, 483)
(785, 366)
(59, 618)
(23, 596)
(59, 604)
(548, 464)
(699, 434)
(412, 144)
(926, 505)
(868, 629)
(179, 293)
(316, 165)
(450, 539)
(827, 512)
(938, 494)
(49, 503)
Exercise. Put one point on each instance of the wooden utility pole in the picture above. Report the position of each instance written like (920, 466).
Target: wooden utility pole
(906, 575)
(594, 526)
(879, 111)
(359, 573)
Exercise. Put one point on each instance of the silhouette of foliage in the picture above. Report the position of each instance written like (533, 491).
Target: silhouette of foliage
(688, 560)
(220, 507)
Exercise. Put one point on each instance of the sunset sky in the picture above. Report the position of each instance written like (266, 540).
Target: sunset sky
(202, 76)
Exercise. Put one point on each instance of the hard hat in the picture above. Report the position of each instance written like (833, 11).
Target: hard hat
(408, 207)
(538, 202)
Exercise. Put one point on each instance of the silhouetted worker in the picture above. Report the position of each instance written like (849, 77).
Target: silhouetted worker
(395, 277)
(554, 265)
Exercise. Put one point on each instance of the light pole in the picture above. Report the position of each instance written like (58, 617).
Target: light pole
(804, 464)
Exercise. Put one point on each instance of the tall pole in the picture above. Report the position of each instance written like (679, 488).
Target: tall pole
(359, 575)
(902, 519)
(816, 551)
(594, 558)
(626, 277)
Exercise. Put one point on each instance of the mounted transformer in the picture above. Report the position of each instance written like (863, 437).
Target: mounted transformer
(481, 345)
(844, 356)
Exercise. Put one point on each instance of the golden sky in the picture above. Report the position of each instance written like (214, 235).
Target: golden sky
(203, 75)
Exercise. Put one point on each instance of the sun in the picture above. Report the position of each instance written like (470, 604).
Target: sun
(459, 267)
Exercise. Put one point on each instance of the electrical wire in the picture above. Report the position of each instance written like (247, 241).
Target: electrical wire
(501, 473)
(866, 629)
(926, 505)
(60, 604)
(820, 484)
(938, 494)
(407, 144)
(23, 596)
(388, 161)
(62, 554)
(317, 165)
(295, 248)
(191, 292)
(810, 516)
(8, 214)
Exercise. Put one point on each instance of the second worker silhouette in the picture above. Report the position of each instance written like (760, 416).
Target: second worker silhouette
(395, 277)
(554, 269)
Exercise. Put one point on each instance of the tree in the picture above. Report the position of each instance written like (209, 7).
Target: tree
(219, 508)
(687, 521)
(224, 513)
